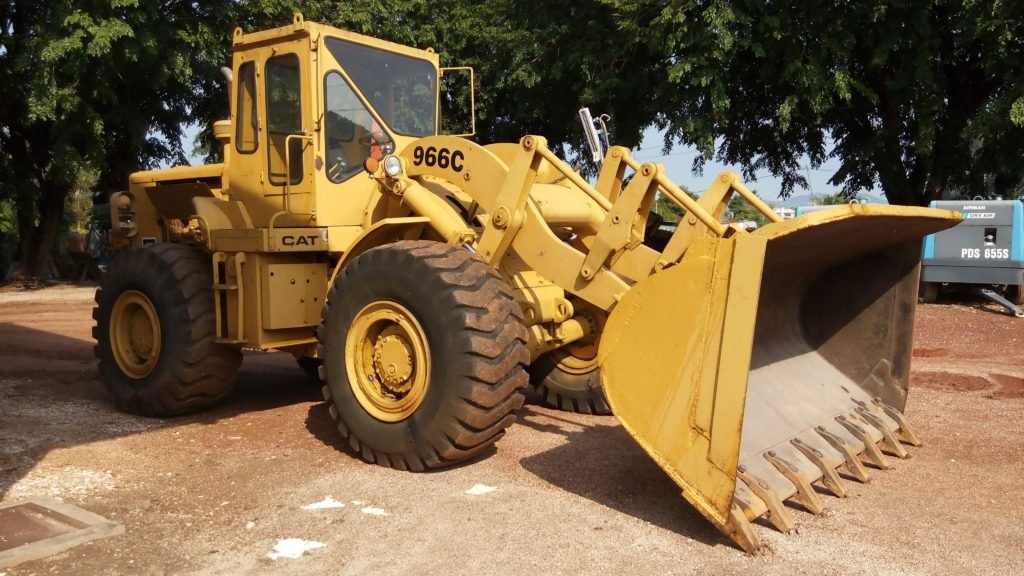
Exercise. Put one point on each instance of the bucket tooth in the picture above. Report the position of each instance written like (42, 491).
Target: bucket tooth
(804, 493)
(748, 501)
(870, 448)
(901, 420)
(738, 528)
(889, 442)
(853, 464)
(829, 478)
(777, 513)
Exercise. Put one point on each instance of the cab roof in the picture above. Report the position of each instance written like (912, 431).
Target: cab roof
(300, 27)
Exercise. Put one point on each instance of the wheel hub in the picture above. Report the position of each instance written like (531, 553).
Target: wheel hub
(387, 360)
(393, 363)
(580, 358)
(134, 334)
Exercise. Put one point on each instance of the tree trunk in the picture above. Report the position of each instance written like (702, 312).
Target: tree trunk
(26, 218)
(39, 245)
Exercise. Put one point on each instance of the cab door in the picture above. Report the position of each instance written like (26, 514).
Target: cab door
(271, 168)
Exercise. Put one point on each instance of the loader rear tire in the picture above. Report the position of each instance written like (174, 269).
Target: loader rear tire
(155, 333)
(569, 383)
(423, 355)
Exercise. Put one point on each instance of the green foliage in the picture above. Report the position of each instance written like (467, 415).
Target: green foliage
(534, 67)
(742, 211)
(831, 200)
(667, 209)
(918, 97)
(95, 90)
(8, 227)
(914, 96)
(1017, 112)
(455, 102)
(8, 234)
(78, 208)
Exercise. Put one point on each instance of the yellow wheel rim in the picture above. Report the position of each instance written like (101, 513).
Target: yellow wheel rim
(580, 360)
(581, 357)
(135, 334)
(387, 360)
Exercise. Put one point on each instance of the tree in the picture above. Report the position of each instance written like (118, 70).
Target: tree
(534, 68)
(742, 211)
(831, 200)
(667, 209)
(100, 87)
(919, 97)
(913, 96)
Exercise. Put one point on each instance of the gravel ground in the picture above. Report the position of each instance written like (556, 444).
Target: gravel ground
(216, 492)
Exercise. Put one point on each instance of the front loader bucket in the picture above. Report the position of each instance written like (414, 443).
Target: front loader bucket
(764, 363)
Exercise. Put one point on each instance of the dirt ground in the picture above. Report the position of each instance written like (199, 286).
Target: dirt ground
(214, 493)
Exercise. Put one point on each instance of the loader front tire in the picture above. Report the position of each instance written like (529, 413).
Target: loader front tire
(569, 381)
(423, 355)
(155, 333)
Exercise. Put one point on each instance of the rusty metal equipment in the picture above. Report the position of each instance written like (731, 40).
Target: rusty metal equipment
(419, 275)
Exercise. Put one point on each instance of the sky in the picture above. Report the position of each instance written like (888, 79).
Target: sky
(678, 165)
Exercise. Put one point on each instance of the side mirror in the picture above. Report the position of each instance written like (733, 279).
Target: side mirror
(450, 96)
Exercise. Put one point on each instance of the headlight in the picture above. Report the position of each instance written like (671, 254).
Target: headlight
(393, 166)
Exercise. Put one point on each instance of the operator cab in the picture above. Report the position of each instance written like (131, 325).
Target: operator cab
(310, 104)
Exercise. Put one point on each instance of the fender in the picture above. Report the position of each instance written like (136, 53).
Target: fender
(383, 232)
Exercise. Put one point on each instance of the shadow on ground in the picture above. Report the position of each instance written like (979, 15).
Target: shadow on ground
(323, 428)
(971, 297)
(52, 397)
(602, 463)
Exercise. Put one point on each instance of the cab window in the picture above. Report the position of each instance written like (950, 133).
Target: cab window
(351, 133)
(246, 140)
(284, 117)
(402, 89)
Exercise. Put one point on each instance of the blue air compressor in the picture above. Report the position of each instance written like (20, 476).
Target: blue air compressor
(986, 250)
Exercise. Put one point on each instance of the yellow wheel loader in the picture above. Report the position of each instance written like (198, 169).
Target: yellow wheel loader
(420, 274)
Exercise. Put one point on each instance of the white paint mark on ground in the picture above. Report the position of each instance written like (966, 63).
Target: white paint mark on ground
(293, 548)
(250, 525)
(324, 504)
(358, 502)
(479, 489)
(374, 511)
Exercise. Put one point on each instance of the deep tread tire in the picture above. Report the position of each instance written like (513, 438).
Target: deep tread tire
(477, 345)
(580, 393)
(192, 372)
